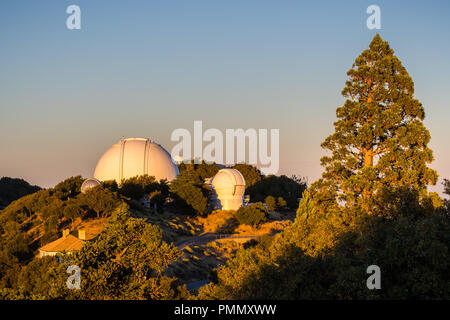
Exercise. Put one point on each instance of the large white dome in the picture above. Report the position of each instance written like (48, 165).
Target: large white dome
(135, 156)
(228, 189)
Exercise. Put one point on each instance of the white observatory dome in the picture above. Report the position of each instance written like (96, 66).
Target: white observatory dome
(89, 183)
(228, 189)
(133, 157)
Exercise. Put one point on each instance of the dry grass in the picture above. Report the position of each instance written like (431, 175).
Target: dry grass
(219, 221)
(198, 261)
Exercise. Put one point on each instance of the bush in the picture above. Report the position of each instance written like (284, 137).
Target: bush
(289, 188)
(99, 200)
(271, 203)
(281, 203)
(158, 199)
(188, 193)
(251, 174)
(138, 186)
(13, 189)
(203, 170)
(253, 214)
(220, 221)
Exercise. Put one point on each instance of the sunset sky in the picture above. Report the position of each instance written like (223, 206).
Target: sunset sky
(146, 68)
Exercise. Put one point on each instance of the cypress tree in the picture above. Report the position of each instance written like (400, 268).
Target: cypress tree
(379, 151)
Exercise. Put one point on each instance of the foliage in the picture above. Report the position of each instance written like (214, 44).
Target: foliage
(271, 203)
(281, 203)
(111, 185)
(289, 188)
(68, 188)
(189, 194)
(12, 189)
(203, 169)
(138, 186)
(127, 262)
(48, 209)
(254, 214)
(251, 174)
(100, 200)
(371, 206)
(326, 257)
(220, 221)
(446, 184)
(157, 198)
(379, 147)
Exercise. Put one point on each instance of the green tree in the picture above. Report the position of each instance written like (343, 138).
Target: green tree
(379, 146)
(127, 261)
(290, 189)
(69, 187)
(189, 193)
(202, 169)
(12, 189)
(320, 257)
(281, 203)
(73, 210)
(251, 174)
(100, 200)
(271, 203)
(254, 214)
(138, 186)
(157, 198)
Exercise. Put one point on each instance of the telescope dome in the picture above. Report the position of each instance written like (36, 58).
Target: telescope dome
(228, 189)
(89, 183)
(134, 157)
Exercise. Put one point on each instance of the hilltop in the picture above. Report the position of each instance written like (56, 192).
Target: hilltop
(38, 218)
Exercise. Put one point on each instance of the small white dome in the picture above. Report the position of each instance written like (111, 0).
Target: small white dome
(89, 183)
(228, 189)
(133, 157)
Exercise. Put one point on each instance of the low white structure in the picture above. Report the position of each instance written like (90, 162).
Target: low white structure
(134, 157)
(228, 187)
(67, 243)
(89, 183)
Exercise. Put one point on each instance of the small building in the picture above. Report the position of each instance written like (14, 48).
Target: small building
(228, 188)
(88, 184)
(66, 243)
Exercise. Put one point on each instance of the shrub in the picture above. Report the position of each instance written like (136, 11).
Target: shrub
(289, 188)
(220, 221)
(136, 187)
(188, 193)
(271, 203)
(281, 203)
(251, 174)
(12, 189)
(253, 214)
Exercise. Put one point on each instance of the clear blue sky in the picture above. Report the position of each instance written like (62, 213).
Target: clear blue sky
(145, 68)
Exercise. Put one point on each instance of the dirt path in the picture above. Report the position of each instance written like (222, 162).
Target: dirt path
(208, 237)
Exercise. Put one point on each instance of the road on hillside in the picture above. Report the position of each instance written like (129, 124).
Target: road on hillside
(208, 237)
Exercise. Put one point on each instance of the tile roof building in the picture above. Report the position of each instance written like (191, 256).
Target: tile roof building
(66, 243)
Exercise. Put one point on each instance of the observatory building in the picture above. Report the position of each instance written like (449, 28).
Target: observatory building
(89, 183)
(228, 187)
(133, 157)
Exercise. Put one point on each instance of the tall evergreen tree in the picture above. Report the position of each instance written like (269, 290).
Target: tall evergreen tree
(379, 149)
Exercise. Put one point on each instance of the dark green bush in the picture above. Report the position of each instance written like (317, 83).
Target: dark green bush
(254, 214)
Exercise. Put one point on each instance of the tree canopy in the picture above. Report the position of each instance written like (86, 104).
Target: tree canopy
(380, 145)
